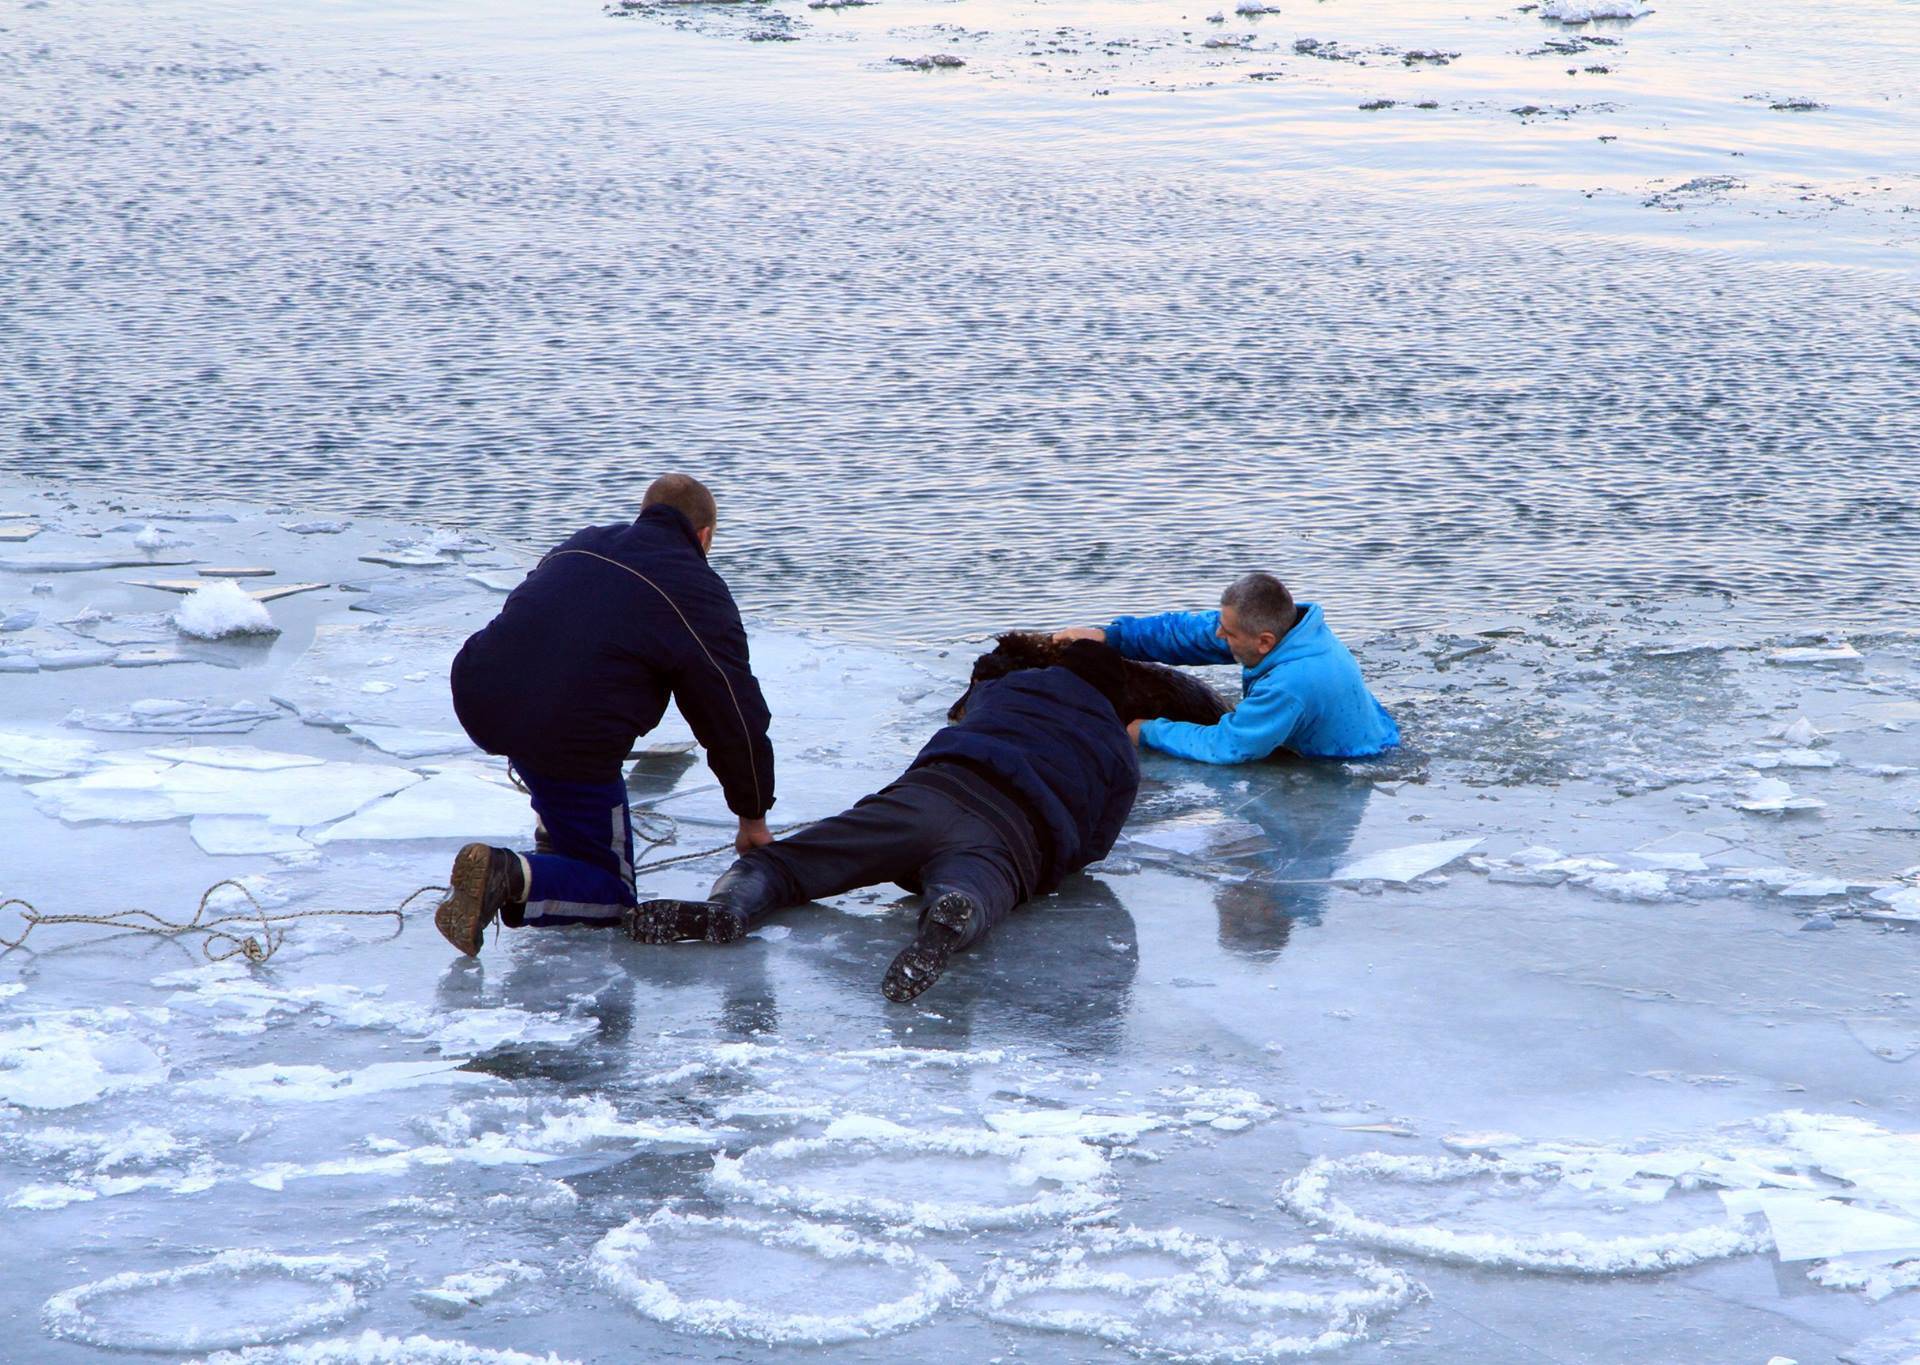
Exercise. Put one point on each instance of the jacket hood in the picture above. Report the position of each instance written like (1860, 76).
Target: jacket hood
(1308, 637)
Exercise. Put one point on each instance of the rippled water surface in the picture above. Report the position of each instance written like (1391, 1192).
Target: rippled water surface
(1093, 322)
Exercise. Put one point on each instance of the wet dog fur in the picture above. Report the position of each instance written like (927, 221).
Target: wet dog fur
(1154, 691)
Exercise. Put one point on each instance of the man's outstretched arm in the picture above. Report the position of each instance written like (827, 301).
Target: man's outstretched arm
(1261, 724)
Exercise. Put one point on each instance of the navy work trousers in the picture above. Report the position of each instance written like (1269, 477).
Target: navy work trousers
(915, 835)
(582, 870)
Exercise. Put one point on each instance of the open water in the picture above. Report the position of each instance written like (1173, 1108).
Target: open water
(1091, 323)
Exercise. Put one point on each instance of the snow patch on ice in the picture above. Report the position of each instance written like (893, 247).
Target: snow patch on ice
(58, 1059)
(221, 610)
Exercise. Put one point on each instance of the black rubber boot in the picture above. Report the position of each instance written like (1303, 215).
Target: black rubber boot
(920, 963)
(485, 881)
(670, 921)
(742, 892)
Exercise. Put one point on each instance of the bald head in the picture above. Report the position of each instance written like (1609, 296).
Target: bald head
(686, 495)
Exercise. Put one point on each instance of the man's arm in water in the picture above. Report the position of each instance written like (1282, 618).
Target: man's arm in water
(1173, 637)
(1261, 724)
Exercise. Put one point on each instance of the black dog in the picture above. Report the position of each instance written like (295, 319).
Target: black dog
(1153, 691)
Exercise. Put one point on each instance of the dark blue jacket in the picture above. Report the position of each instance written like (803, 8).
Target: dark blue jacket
(584, 656)
(1057, 745)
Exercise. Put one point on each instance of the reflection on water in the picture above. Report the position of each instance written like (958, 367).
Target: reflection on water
(941, 391)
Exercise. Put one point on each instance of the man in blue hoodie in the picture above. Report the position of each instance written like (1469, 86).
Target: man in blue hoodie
(1303, 690)
(1031, 785)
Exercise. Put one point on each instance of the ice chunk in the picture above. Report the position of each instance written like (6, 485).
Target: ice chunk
(239, 756)
(1769, 795)
(290, 1084)
(56, 1059)
(498, 580)
(454, 803)
(1807, 1227)
(471, 1288)
(167, 716)
(234, 835)
(151, 537)
(782, 1283)
(404, 743)
(222, 609)
(13, 532)
(1790, 758)
(1878, 1275)
(1800, 734)
(1631, 886)
(1586, 11)
(44, 755)
(1072, 1123)
(154, 789)
(314, 528)
(1816, 654)
(238, 1298)
(1406, 863)
(408, 557)
(323, 686)
(82, 563)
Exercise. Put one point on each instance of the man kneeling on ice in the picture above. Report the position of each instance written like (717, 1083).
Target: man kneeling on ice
(1031, 785)
(1303, 690)
(580, 662)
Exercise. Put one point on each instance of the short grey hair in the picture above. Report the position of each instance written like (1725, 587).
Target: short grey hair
(1262, 603)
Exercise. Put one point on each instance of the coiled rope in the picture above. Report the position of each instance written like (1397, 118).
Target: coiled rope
(220, 940)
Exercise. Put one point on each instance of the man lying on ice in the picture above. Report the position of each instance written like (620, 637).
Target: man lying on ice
(580, 662)
(1030, 786)
(1303, 689)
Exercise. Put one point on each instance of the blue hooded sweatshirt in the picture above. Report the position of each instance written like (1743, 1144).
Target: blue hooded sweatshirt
(1307, 695)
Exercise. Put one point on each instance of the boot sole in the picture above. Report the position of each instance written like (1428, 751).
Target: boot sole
(917, 966)
(459, 918)
(669, 921)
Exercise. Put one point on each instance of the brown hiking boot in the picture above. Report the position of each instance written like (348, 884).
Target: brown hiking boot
(484, 880)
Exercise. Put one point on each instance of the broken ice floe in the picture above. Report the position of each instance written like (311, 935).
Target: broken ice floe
(58, 1059)
(457, 1293)
(1402, 865)
(44, 756)
(1771, 796)
(787, 1283)
(273, 1083)
(146, 788)
(171, 716)
(1170, 1293)
(946, 1180)
(238, 1298)
(452, 803)
(1586, 11)
(1816, 654)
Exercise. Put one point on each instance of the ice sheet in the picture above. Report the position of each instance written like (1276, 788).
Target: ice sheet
(1406, 863)
(453, 803)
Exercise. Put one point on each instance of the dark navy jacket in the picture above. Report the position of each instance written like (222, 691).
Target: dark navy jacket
(1057, 745)
(584, 656)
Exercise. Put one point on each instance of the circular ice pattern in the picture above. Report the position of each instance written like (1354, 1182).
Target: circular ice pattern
(763, 1281)
(948, 1180)
(238, 1298)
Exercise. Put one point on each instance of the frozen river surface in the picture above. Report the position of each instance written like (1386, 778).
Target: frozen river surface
(1583, 1029)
